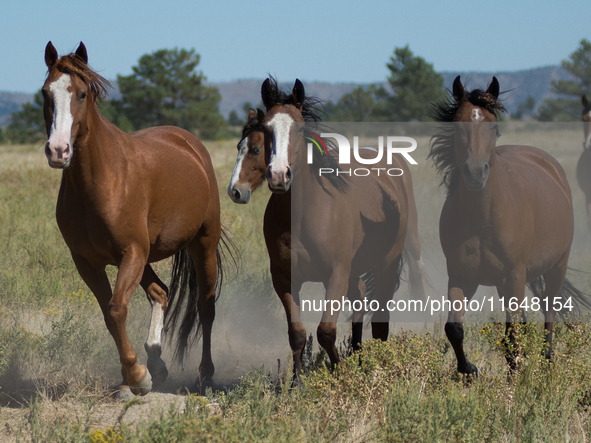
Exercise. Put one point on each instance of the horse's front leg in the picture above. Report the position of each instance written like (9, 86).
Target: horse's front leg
(454, 328)
(554, 280)
(131, 269)
(336, 289)
(288, 293)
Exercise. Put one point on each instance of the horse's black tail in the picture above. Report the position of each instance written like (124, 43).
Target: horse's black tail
(184, 286)
(368, 279)
(580, 300)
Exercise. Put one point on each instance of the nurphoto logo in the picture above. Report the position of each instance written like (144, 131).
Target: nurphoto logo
(394, 145)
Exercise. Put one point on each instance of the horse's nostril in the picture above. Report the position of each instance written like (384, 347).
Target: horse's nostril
(47, 149)
(288, 174)
(236, 194)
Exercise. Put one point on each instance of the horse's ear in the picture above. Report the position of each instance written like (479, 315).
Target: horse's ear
(585, 101)
(458, 90)
(493, 88)
(81, 52)
(260, 115)
(298, 94)
(267, 94)
(50, 55)
(251, 114)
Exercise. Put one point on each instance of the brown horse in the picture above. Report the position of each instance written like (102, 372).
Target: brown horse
(249, 170)
(249, 173)
(507, 219)
(584, 163)
(372, 216)
(130, 200)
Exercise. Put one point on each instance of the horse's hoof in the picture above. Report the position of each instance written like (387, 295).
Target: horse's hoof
(144, 386)
(549, 353)
(158, 370)
(123, 395)
(469, 370)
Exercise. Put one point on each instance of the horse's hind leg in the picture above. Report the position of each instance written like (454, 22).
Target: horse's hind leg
(386, 282)
(358, 290)
(454, 328)
(204, 253)
(157, 293)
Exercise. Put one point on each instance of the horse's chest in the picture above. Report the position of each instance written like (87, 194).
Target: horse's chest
(86, 232)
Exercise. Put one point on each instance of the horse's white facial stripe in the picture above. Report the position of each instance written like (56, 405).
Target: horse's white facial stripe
(238, 166)
(280, 125)
(61, 127)
(476, 115)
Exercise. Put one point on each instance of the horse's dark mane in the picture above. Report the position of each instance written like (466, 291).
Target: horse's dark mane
(72, 64)
(311, 111)
(253, 124)
(442, 143)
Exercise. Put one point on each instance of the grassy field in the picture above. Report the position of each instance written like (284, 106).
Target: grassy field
(56, 354)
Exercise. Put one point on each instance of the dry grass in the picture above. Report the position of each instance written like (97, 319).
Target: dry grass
(54, 346)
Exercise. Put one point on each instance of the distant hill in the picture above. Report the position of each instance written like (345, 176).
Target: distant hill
(518, 86)
(11, 102)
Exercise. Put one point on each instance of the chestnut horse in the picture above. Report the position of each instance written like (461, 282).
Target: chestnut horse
(508, 216)
(130, 200)
(366, 235)
(584, 163)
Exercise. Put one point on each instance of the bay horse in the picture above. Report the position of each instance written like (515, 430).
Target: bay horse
(507, 219)
(249, 174)
(335, 235)
(128, 201)
(584, 163)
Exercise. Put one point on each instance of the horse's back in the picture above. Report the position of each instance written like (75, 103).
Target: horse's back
(167, 138)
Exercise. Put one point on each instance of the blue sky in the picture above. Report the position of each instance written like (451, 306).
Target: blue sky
(335, 41)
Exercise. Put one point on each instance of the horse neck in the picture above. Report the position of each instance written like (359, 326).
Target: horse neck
(97, 152)
(480, 202)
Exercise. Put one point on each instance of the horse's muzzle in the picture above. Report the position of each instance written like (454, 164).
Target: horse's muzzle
(475, 175)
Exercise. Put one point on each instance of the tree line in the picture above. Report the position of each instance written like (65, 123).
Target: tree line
(166, 88)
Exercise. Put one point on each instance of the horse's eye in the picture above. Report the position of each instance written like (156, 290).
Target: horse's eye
(255, 151)
(83, 96)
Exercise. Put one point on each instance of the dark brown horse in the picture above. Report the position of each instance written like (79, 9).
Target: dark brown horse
(584, 164)
(130, 200)
(508, 216)
(372, 217)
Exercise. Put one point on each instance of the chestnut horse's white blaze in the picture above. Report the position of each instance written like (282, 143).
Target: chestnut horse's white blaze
(58, 147)
(242, 151)
(278, 171)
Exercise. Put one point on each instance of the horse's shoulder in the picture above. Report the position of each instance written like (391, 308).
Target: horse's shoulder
(523, 153)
